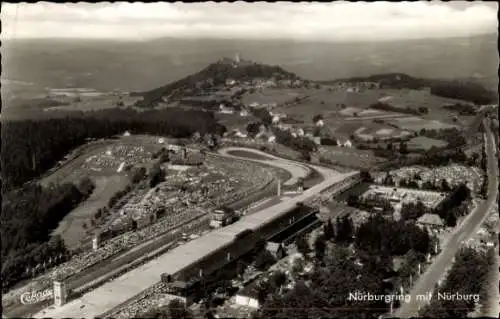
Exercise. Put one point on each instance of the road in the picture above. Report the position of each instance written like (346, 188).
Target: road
(119, 260)
(465, 230)
(125, 287)
(298, 171)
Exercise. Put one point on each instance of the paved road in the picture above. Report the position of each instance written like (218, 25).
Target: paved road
(427, 282)
(125, 287)
(297, 170)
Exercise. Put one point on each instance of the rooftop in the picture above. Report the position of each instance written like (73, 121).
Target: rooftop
(431, 219)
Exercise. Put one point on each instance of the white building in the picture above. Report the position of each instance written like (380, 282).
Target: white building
(344, 143)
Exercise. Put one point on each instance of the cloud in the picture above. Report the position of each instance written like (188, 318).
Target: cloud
(316, 21)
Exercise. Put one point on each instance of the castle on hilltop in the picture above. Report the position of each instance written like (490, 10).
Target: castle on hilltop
(236, 62)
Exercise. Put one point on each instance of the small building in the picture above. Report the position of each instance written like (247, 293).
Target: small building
(181, 290)
(249, 295)
(276, 249)
(432, 221)
(344, 142)
(225, 110)
(222, 217)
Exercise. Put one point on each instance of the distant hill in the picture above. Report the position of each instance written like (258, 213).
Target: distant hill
(466, 89)
(142, 65)
(214, 74)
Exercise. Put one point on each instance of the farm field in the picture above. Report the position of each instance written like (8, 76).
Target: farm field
(367, 130)
(425, 143)
(416, 124)
(274, 95)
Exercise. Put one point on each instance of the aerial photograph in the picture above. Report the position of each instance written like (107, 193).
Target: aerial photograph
(250, 160)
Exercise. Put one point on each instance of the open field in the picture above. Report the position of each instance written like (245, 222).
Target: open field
(272, 95)
(348, 157)
(247, 154)
(416, 124)
(71, 227)
(235, 121)
(425, 143)
(367, 130)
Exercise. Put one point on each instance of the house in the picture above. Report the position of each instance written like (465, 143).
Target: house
(225, 110)
(432, 221)
(317, 140)
(271, 139)
(243, 113)
(239, 134)
(344, 142)
(127, 133)
(254, 104)
(230, 82)
(222, 217)
(285, 127)
(276, 249)
(276, 119)
(319, 123)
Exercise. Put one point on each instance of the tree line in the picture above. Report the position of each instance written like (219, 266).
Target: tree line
(28, 216)
(467, 276)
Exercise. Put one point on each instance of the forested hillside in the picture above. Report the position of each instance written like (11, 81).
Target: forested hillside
(213, 75)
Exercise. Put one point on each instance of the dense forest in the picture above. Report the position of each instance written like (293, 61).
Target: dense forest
(213, 75)
(31, 147)
(28, 216)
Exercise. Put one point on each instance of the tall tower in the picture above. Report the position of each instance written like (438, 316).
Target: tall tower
(237, 58)
(96, 242)
(60, 294)
(279, 188)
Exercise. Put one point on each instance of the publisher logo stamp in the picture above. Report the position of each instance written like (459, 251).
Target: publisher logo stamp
(30, 298)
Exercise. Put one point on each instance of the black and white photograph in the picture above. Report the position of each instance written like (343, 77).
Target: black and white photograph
(250, 160)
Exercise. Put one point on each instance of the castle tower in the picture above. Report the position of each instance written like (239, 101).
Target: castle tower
(60, 293)
(279, 188)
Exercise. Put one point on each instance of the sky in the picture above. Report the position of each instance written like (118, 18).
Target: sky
(335, 21)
